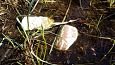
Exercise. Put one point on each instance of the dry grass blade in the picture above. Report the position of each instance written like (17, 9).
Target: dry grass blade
(32, 52)
(34, 6)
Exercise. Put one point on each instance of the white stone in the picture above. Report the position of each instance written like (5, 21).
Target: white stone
(67, 37)
(36, 22)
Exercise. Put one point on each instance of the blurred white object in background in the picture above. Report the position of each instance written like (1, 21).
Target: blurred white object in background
(35, 22)
(67, 37)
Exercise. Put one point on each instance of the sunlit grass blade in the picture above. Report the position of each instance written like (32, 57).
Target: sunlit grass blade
(45, 45)
(111, 2)
(9, 40)
(1, 42)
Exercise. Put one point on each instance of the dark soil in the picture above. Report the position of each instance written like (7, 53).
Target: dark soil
(94, 46)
